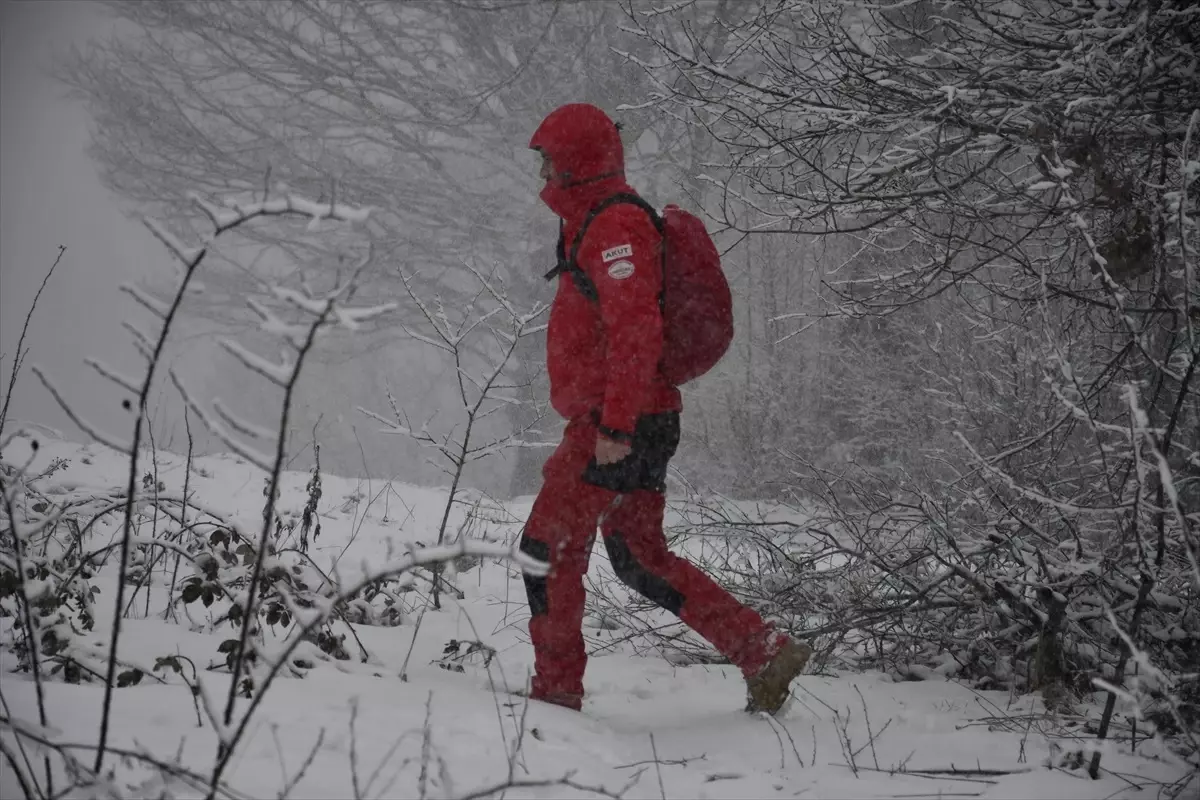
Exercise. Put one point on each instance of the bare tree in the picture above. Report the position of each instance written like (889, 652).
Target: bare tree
(420, 110)
(1006, 193)
(492, 316)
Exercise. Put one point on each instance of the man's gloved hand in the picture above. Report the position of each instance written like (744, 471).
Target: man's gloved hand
(610, 452)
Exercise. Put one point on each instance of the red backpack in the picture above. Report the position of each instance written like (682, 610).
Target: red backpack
(696, 305)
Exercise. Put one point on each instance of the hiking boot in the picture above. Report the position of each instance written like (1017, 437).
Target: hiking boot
(769, 688)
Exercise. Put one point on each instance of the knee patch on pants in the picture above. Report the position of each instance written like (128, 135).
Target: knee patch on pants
(634, 574)
(535, 585)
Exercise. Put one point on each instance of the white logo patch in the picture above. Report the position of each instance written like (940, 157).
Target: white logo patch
(620, 270)
(624, 251)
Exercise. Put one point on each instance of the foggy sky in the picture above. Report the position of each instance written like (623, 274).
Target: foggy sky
(50, 195)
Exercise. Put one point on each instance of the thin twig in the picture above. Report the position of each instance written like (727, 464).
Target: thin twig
(28, 785)
(19, 355)
(312, 754)
(190, 267)
(662, 792)
(426, 745)
(354, 750)
(870, 733)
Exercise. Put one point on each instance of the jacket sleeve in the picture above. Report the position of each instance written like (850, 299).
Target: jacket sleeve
(621, 255)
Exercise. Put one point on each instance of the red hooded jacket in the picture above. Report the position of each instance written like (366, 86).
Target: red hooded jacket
(602, 356)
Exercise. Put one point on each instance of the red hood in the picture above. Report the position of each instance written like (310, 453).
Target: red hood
(585, 148)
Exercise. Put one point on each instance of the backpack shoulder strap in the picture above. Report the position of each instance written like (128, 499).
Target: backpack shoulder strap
(623, 197)
(567, 262)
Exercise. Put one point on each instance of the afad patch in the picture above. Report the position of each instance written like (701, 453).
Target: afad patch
(624, 251)
(620, 270)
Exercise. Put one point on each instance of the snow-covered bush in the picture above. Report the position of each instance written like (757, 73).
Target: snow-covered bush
(1006, 193)
(252, 582)
(44, 572)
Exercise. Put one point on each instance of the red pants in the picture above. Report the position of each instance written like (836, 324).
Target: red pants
(562, 528)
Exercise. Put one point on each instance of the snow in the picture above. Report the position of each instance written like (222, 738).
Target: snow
(128, 384)
(150, 303)
(188, 255)
(649, 727)
(279, 374)
(140, 339)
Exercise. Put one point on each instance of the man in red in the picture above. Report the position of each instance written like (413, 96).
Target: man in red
(603, 346)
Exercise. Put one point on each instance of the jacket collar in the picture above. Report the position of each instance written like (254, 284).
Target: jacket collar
(573, 201)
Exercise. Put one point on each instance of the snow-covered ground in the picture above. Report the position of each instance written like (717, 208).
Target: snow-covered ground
(649, 728)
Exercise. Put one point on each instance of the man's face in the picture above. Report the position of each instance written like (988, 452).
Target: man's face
(547, 171)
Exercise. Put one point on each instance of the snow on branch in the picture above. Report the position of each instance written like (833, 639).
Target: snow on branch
(218, 216)
(348, 318)
(25, 534)
(257, 459)
(278, 374)
(188, 255)
(152, 304)
(420, 557)
(426, 340)
(351, 318)
(120, 380)
(291, 204)
(272, 323)
(1033, 494)
(505, 443)
(1189, 169)
(140, 340)
(520, 320)
(236, 213)
(240, 425)
(1166, 478)
(300, 300)
(397, 428)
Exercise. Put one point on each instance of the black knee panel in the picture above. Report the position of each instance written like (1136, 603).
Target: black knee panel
(535, 585)
(635, 575)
